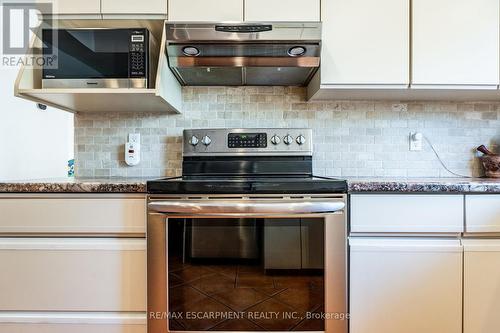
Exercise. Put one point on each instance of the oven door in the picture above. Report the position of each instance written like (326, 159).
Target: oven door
(239, 264)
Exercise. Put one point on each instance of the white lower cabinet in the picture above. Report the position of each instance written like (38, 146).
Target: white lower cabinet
(74, 322)
(481, 285)
(73, 214)
(405, 285)
(73, 274)
(482, 213)
(407, 213)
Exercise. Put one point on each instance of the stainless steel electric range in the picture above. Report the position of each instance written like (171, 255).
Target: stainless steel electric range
(247, 240)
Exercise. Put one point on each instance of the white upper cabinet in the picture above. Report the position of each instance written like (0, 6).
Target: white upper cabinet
(456, 42)
(282, 10)
(134, 7)
(205, 10)
(79, 8)
(365, 42)
(97, 9)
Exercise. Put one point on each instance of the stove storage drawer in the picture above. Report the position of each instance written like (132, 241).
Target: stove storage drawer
(68, 214)
(407, 213)
(72, 274)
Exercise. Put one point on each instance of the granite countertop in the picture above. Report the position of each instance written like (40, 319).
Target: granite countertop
(76, 185)
(356, 185)
(424, 185)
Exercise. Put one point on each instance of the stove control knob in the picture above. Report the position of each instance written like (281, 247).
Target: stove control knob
(301, 140)
(194, 140)
(206, 140)
(275, 140)
(288, 139)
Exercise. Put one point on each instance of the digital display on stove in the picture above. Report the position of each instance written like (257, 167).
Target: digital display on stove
(247, 140)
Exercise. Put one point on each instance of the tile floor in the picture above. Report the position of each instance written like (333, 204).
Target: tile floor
(241, 298)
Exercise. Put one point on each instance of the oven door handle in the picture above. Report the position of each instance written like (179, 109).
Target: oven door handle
(211, 207)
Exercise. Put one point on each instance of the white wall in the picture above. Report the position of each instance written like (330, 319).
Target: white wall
(34, 143)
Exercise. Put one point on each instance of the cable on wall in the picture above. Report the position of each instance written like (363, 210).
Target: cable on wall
(441, 160)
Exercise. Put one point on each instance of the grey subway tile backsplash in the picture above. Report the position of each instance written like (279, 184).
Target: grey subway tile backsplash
(352, 138)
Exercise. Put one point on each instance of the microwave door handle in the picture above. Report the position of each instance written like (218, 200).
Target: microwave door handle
(244, 207)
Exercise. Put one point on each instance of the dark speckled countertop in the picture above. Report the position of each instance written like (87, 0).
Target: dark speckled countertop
(424, 185)
(356, 185)
(76, 185)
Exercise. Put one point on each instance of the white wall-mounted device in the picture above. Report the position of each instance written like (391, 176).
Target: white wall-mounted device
(416, 140)
(133, 149)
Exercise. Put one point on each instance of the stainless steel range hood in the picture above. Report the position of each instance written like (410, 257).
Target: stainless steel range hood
(238, 54)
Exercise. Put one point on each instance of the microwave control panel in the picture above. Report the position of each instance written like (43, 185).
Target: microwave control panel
(138, 53)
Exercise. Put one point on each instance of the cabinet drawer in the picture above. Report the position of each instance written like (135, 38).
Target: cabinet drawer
(74, 322)
(401, 213)
(79, 214)
(47, 274)
(482, 213)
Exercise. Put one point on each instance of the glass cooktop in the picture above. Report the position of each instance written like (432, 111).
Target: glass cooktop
(278, 184)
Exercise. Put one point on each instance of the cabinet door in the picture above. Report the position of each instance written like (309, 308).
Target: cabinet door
(282, 10)
(133, 7)
(405, 285)
(72, 274)
(365, 42)
(205, 10)
(74, 322)
(73, 7)
(455, 42)
(481, 286)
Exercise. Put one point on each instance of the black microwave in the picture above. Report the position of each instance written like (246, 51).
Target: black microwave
(97, 58)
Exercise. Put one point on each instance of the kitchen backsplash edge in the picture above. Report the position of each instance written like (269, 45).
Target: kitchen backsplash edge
(351, 138)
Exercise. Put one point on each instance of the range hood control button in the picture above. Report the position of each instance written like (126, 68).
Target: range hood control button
(206, 140)
(194, 140)
(275, 140)
(301, 140)
(288, 139)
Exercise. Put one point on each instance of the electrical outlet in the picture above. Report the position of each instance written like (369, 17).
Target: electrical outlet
(134, 137)
(416, 141)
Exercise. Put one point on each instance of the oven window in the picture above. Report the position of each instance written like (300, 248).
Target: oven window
(87, 53)
(246, 274)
